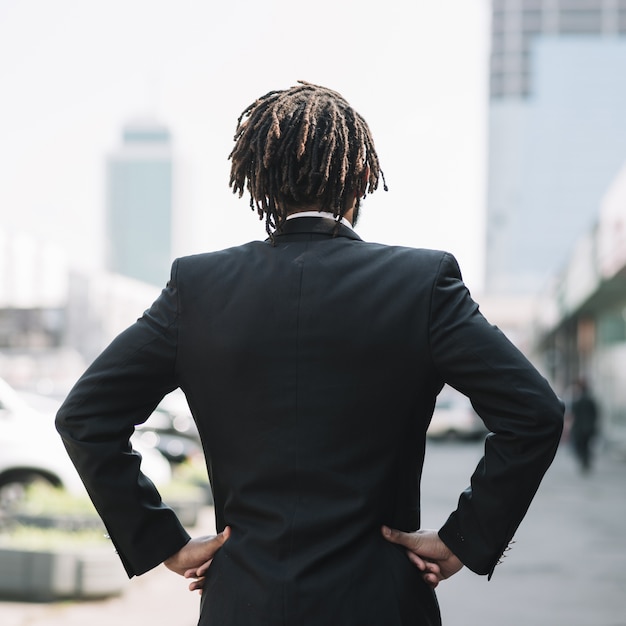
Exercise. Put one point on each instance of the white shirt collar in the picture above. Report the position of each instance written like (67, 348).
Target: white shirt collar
(328, 214)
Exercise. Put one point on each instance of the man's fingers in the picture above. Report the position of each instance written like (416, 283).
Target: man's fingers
(214, 544)
(211, 547)
(196, 584)
(221, 538)
(428, 567)
(422, 564)
(431, 572)
(399, 537)
(417, 561)
(427, 552)
(201, 571)
(431, 580)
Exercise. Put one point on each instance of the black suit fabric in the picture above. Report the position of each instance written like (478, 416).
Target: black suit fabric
(311, 366)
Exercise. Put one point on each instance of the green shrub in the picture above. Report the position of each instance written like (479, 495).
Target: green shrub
(32, 538)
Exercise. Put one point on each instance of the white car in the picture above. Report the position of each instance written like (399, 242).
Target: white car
(455, 418)
(31, 450)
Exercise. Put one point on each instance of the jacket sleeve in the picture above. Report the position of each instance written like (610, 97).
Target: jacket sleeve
(118, 391)
(516, 404)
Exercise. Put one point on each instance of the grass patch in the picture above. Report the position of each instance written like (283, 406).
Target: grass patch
(49, 539)
(48, 500)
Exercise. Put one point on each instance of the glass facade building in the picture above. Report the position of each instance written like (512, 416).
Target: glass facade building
(139, 205)
(557, 132)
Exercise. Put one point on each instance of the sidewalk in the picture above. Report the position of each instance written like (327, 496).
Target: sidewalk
(567, 567)
(568, 564)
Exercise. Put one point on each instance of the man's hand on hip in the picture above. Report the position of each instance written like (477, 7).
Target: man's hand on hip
(427, 552)
(195, 557)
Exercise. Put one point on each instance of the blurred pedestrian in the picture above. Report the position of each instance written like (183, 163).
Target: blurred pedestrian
(311, 363)
(584, 426)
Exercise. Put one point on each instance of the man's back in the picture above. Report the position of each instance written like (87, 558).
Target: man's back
(312, 368)
(306, 365)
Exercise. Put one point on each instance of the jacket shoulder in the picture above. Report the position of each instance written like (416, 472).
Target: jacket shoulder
(426, 258)
(217, 255)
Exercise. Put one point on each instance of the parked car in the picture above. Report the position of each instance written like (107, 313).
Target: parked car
(455, 418)
(171, 430)
(31, 450)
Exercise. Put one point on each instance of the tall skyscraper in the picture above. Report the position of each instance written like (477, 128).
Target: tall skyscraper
(139, 204)
(557, 132)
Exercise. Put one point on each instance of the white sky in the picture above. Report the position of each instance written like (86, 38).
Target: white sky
(72, 72)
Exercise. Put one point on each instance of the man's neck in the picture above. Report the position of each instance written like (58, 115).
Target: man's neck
(314, 210)
(314, 213)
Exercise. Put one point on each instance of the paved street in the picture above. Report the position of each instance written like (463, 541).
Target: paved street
(567, 567)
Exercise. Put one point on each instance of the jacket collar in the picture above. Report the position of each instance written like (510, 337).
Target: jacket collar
(315, 226)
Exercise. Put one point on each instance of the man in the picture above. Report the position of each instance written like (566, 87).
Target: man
(311, 363)
(584, 424)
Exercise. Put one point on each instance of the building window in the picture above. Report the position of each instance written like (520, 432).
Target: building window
(575, 22)
(532, 21)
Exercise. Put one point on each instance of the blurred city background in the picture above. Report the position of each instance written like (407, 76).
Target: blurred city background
(501, 129)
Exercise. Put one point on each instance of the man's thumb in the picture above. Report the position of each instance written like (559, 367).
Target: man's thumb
(397, 536)
(224, 535)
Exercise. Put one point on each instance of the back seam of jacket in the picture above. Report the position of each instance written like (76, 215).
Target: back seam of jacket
(285, 619)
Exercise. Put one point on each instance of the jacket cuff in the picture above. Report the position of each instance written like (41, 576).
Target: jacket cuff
(470, 547)
(153, 548)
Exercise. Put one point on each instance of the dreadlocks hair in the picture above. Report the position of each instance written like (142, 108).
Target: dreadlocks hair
(302, 146)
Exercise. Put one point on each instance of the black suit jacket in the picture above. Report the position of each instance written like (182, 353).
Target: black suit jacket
(311, 368)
